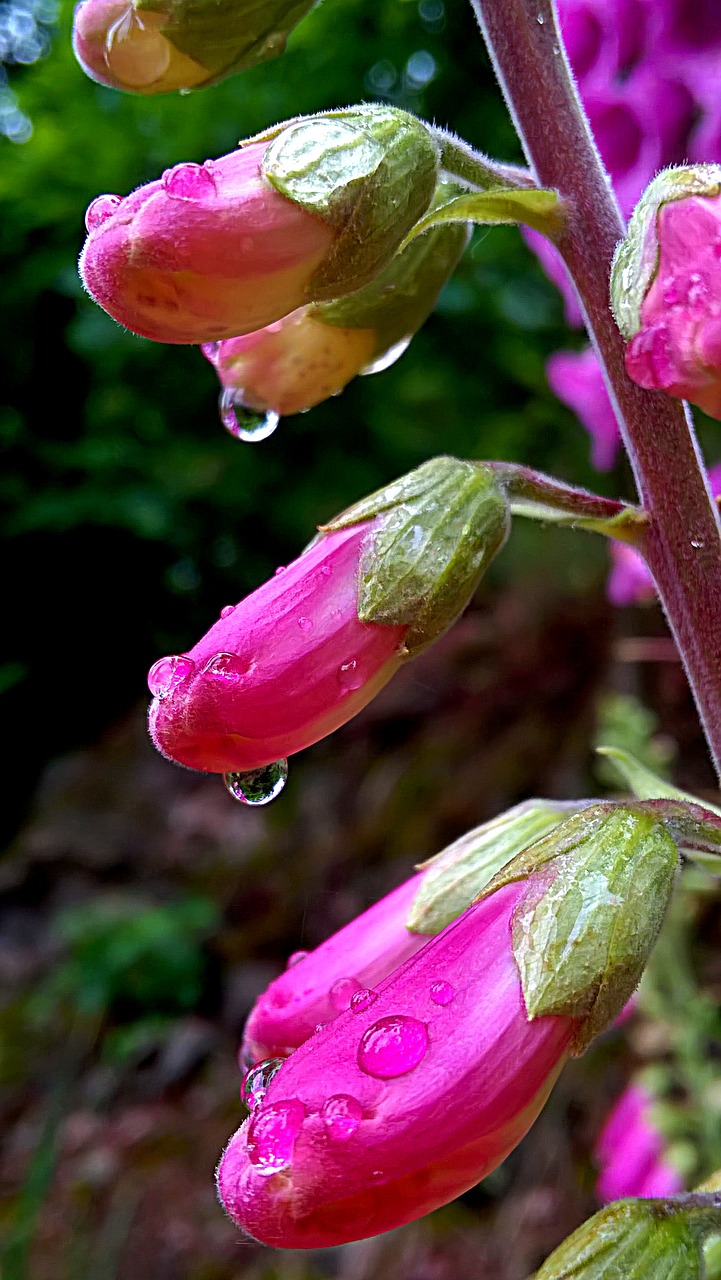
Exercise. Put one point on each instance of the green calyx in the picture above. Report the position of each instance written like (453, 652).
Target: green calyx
(599, 886)
(635, 261)
(401, 297)
(434, 534)
(460, 872)
(227, 36)
(630, 1240)
(370, 171)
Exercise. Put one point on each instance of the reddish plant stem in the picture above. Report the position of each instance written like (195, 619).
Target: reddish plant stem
(683, 543)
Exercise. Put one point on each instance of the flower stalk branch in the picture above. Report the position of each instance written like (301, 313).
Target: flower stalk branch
(683, 542)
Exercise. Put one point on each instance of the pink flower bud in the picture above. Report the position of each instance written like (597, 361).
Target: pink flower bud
(678, 346)
(577, 380)
(293, 364)
(630, 1151)
(207, 252)
(341, 973)
(280, 670)
(389, 1112)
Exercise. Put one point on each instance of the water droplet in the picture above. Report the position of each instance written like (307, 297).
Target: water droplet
(272, 1134)
(295, 958)
(387, 358)
(189, 181)
(281, 569)
(256, 1081)
(167, 673)
(442, 992)
(251, 425)
(341, 1116)
(326, 570)
(258, 786)
(320, 1026)
(350, 676)
(210, 350)
(697, 543)
(392, 1047)
(227, 665)
(100, 209)
(363, 1000)
(342, 992)
(305, 624)
(227, 610)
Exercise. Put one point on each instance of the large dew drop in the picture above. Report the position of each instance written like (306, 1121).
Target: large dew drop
(258, 786)
(341, 1116)
(271, 1136)
(388, 358)
(167, 673)
(256, 1081)
(100, 209)
(251, 425)
(392, 1047)
(189, 181)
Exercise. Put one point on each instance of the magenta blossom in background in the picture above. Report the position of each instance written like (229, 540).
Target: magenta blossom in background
(339, 974)
(576, 378)
(281, 669)
(630, 1151)
(630, 580)
(398, 1107)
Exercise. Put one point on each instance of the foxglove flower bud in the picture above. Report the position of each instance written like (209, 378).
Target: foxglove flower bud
(393, 1110)
(310, 211)
(576, 378)
(302, 654)
(343, 971)
(404, 1102)
(631, 1152)
(666, 287)
(312, 354)
(178, 44)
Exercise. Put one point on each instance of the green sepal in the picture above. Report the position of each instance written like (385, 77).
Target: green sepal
(435, 532)
(456, 875)
(401, 297)
(635, 261)
(540, 209)
(645, 784)
(629, 1240)
(600, 884)
(370, 171)
(227, 36)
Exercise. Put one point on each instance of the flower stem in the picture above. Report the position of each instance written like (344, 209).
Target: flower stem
(683, 542)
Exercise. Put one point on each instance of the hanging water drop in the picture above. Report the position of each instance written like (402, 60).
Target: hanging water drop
(256, 1081)
(251, 425)
(258, 786)
(167, 673)
(387, 358)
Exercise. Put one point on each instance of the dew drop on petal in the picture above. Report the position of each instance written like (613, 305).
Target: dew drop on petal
(256, 1081)
(295, 958)
(227, 665)
(387, 358)
(227, 610)
(326, 570)
(305, 624)
(167, 673)
(441, 992)
(100, 209)
(189, 182)
(281, 569)
(350, 676)
(342, 992)
(392, 1047)
(272, 1133)
(258, 786)
(341, 1114)
(363, 1000)
(251, 425)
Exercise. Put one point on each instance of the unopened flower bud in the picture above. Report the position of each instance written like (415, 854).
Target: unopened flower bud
(302, 654)
(633, 1239)
(600, 885)
(310, 211)
(155, 47)
(631, 1152)
(312, 354)
(666, 287)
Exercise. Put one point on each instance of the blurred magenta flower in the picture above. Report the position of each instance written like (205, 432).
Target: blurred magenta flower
(630, 1151)
(278, 671)
(401, 1103)
(576, 378)
(630, 580)
(206, 252)
(677, 348)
